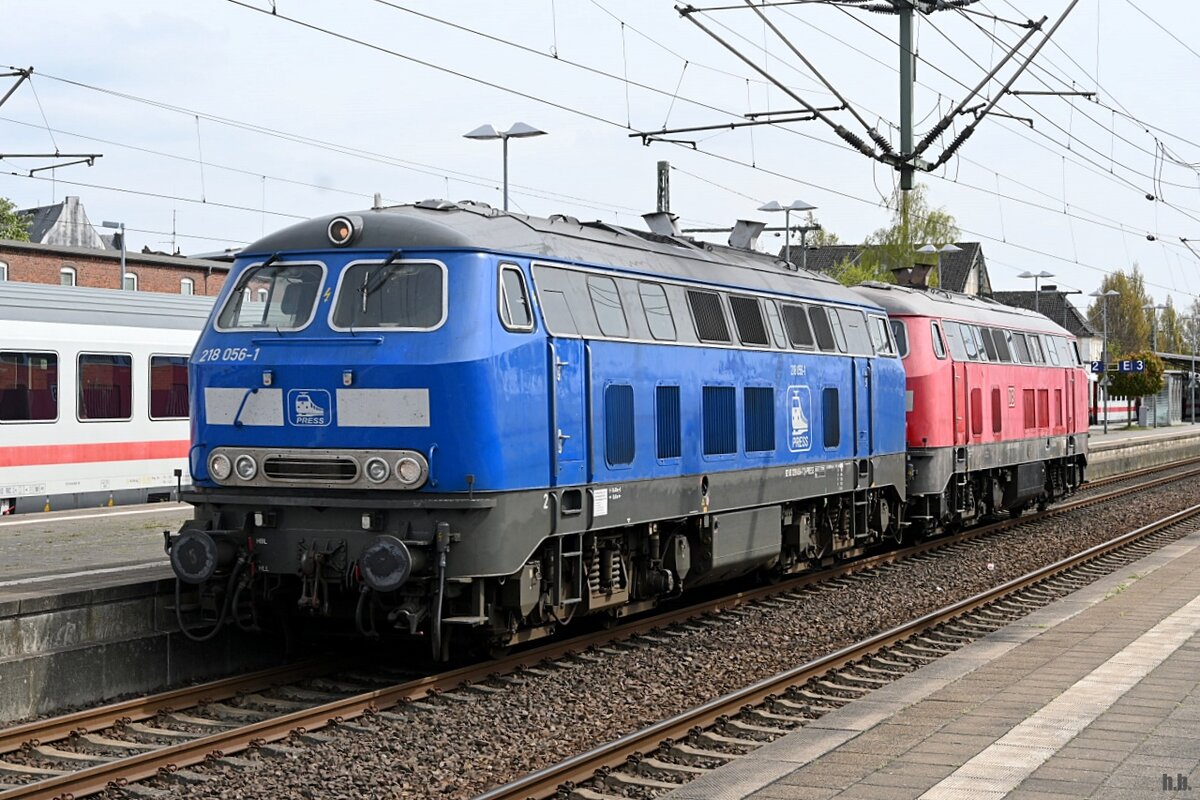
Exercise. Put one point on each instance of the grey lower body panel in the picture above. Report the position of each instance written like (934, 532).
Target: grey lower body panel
(497, 533)
(932, 468)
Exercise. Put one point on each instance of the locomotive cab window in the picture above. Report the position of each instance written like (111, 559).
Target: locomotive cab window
(1000, 338)
(775, 324)
(285, 297)
(1021, 346)
(105, 387)
(939, 349)
(879, 337)
(989, 344)
(1035, 348)
(855, 334)
(400, 295)
(28, 387)
(968, 341)
(1052, 351)
(514, 300)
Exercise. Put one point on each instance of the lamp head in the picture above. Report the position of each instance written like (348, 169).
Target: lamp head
(951, 247)
(520, 130)
(771, 206)
(927, 248)
(482, 132)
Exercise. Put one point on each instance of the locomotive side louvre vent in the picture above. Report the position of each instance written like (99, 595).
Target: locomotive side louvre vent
(668, 423)
(749, 319)
(759, 413)
(720, 420)
(710, 317)
(618, 424)
(295, 468)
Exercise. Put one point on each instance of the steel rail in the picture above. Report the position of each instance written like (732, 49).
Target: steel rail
(545, 783)
(141, 766)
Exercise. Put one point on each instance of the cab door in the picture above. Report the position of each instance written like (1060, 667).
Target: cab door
(568, 411)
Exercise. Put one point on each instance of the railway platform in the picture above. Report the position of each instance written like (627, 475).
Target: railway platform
(1093, 696)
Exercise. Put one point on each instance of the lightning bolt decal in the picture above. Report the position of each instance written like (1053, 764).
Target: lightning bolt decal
(328, 291)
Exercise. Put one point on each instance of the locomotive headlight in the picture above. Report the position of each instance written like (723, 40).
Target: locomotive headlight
(409, 471)
(219, 466)
(377, 470)
(246, 467)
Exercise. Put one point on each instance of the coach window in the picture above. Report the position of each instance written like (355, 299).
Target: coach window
(130, 283)
(168, 387)
(187, 286)
(799, 331)
(749, 320)
(292, 291)
(1021, 347)
(66, 276)
(28, 387)
(708, 315)
(606, 302)
(3, 271)
(658, 311)
(939, 349)
(822, 328)
(514, 300)
(105, 384)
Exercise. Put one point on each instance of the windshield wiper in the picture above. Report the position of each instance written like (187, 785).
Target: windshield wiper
(370, 284)
(250, 273)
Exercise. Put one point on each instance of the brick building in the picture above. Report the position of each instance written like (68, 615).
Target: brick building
(66, 249)
(101, 269)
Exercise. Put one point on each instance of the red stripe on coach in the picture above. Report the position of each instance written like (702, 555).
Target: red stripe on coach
(42, 454)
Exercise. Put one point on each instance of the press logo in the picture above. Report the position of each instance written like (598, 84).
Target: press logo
(800, 412)
(309, 407)
(1177, 784)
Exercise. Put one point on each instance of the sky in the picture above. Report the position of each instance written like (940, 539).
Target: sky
(219, 121)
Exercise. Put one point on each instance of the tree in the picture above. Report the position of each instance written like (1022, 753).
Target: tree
(1128, 323)
(914, 223)
(1191, 328)
(1170, 329)
(13, 226)
(1137, 384)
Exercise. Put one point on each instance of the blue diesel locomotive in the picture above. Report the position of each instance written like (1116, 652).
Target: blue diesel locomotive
(446, 419)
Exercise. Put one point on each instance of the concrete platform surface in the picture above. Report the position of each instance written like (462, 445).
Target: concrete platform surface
(1093, 696)
(1119, 435)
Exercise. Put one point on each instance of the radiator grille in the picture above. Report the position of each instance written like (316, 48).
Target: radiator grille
(293, 468)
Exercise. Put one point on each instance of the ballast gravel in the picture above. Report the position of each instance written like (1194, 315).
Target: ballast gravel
(460, 745)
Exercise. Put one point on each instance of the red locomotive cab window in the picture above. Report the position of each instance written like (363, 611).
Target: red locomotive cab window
(939, 347)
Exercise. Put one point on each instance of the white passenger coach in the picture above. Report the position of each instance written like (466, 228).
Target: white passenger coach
(93, 395)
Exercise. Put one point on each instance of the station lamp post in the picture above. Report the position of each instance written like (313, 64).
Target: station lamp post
(120, 228)
(1037, 276)
(949, 247)
(1154, 309)
(519, 130)
(795, 205)
(1104, 350)
(1195, 321)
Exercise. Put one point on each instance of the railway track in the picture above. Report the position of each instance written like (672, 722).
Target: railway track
(659, 757)
(127, 742)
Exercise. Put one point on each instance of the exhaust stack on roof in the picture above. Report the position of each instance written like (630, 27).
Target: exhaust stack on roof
(914, 277)
(663, 223)
(745, 234)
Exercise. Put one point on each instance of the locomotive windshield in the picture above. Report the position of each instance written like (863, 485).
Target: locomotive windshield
(409, 295)
(279, 296)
